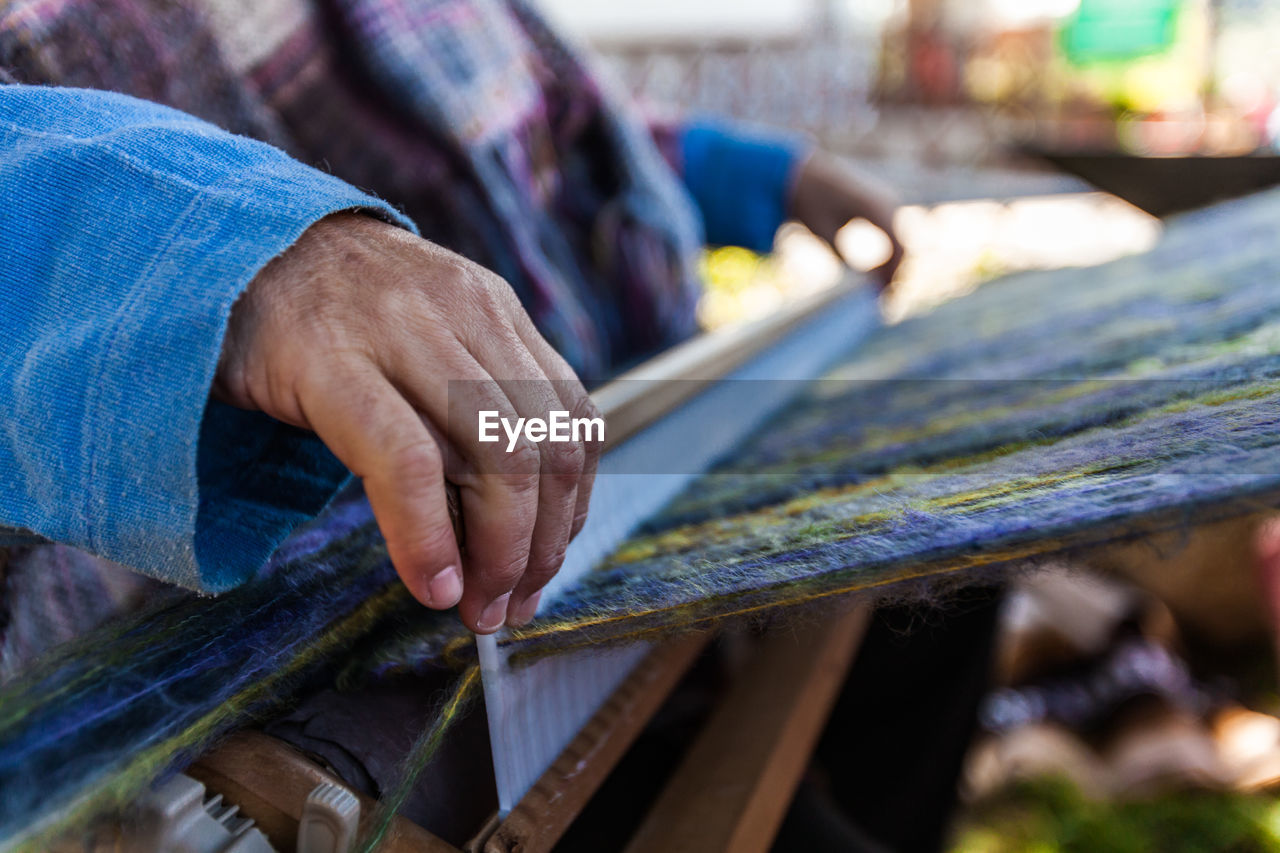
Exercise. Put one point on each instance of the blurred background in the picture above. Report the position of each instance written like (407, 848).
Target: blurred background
(1136, 703)
(868, 76)
(962, 106)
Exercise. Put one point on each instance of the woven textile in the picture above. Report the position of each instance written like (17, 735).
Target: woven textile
(1044, 413)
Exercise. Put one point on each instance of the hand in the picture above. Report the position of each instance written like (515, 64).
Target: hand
(355, 332)
(828, 194)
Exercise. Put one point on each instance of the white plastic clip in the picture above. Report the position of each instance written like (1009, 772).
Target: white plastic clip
(179, 817)
(330, 819)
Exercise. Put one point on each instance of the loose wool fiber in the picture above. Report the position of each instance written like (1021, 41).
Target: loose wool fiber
(1045, 413)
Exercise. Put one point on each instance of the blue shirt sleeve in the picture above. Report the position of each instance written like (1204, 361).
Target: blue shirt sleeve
(740, 180)
(127, 231)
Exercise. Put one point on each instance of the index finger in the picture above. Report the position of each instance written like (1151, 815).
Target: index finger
(377, 434)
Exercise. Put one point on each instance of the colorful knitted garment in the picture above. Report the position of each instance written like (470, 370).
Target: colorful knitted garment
(1044, 414)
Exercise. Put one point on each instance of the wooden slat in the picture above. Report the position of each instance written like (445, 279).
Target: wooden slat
(270, 780)
(640, 396)
(733, 787)
(541, 817)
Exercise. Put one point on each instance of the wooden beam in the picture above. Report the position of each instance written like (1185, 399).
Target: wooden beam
(734, 786)
(640, 396)
(541, 817)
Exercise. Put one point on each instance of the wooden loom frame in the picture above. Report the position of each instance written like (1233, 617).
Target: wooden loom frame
(731, 790)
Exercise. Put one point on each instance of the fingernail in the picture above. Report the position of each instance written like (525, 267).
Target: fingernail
(522, 614)
(494, 615)
(446, 587)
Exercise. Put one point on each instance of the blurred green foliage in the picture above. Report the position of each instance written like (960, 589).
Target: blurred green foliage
(1052, 816)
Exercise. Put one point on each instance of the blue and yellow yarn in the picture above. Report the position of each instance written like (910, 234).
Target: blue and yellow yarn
(1046, 413)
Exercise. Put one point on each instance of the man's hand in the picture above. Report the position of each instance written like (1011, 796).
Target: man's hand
(355, 333)
(828, 194)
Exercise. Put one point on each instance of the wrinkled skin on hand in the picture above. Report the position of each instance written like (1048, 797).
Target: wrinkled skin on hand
(828, 194)
(355, 333)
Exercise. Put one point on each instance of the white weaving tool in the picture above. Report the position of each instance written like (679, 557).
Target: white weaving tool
(716, 385)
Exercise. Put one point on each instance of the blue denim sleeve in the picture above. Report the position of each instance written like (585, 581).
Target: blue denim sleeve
(740, 180)
(126, 233)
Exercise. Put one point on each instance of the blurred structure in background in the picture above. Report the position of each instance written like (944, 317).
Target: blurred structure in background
(970, 83)
(808, 65)
(1159, 77)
